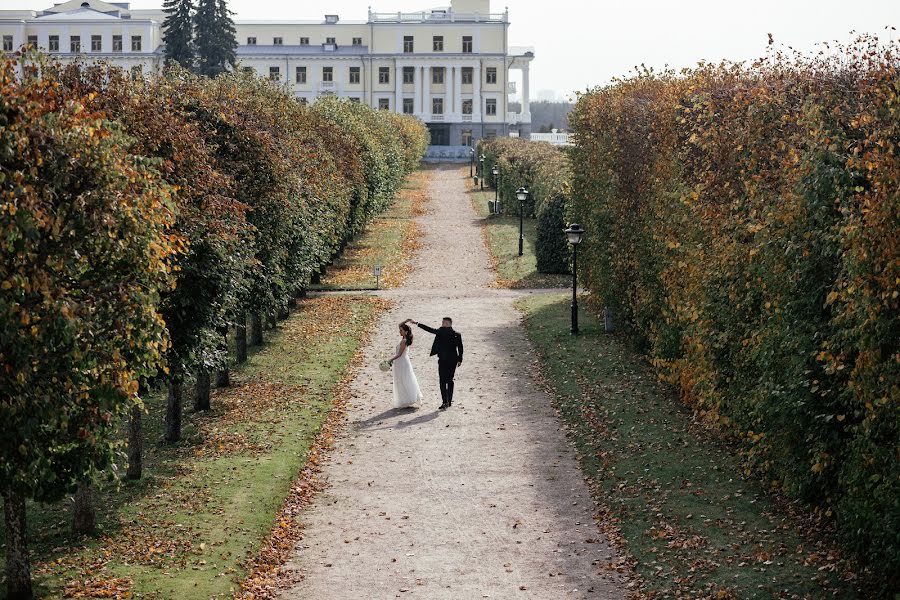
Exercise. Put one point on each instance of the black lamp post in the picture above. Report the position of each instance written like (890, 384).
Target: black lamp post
(481, 171)
(522, 195)
(496, 172)
(574, 233)
(471, 162)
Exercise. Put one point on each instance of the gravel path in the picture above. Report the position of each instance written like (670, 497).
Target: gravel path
(485, 500)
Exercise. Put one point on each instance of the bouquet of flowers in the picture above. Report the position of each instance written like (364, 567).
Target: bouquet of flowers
(385, 365)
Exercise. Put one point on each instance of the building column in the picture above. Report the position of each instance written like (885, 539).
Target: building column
(476, 97)
(426, 93)
(398, 88)
(417, 91)
(457, 92)
(526, 100)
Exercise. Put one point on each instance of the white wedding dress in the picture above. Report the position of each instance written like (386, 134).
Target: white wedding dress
(406, 386)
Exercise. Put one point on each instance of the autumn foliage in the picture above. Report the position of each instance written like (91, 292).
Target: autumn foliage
(543, 170)
(743, 223)
(139, 220)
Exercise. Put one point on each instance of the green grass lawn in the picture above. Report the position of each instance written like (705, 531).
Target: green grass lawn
(205, 505)
(502, 239)
(389, 241)
(693, 525)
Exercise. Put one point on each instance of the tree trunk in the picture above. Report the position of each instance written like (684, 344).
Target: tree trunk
(135, 443)
(292, 303)
(84, 515)
(173, 412)
(256, 329)
(301, 294)
(316, 279)
(240, 341)
(201, 391)
(284, 313)
(223, 377)
(18, 575)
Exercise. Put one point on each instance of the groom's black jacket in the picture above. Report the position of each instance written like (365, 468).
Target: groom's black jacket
(447, 344)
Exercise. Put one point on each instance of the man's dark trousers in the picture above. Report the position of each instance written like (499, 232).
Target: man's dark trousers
(446, 372)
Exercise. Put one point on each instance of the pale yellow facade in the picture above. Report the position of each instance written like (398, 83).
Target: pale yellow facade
(449, 67)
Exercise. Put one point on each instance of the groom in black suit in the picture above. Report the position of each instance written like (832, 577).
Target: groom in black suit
(449, 349)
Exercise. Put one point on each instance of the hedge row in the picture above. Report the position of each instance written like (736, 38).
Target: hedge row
(743, 222)
(544, 170)
(138, 222)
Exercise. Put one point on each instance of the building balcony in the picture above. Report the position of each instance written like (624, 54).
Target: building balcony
(467, 118)
(438, 16)
(437, 117)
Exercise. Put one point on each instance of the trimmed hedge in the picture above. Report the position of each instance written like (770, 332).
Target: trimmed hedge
(743, 222)
(140, 220)
(544, 170)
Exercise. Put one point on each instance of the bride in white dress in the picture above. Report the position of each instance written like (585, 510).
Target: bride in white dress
(406, 386)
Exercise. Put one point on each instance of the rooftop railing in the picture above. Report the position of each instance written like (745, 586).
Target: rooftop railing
(438, 16)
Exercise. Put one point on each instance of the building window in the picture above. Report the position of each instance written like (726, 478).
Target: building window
(384, 74)
(408, 106)
(7, 43)
(408, 44)
(331, 40)
(300, 75)
(490, 107)
(357, 41)
(384, 103)
(491, 75)
(96, 43)
(277, 41)
(32, 41)
(491, 134)
(304, 41)
(467, 44)
(466, 137)
(467, 75)
(437, 75)
(409, 75)
(135, 43)
(53, 43)
(117, 43)
(437, 106)
(75, 43)
(274, 73)
(467, 107)
(327, 74)
(438, 43)
(136, 72)
(251, 41)
(354, 74)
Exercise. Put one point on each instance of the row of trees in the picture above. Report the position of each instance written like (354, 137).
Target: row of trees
(743, 224)
(200, 36)
(140, 223)
(543, 169)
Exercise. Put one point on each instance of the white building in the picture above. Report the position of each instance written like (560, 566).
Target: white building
(448, 66)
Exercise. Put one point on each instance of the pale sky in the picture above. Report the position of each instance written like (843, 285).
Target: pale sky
(580, 44)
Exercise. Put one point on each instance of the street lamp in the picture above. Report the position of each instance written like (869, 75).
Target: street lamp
(522, 195)
(471, 161)
(574, 233)
(481, 170)
(496, 172)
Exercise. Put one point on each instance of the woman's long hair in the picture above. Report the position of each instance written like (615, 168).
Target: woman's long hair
(409, 335)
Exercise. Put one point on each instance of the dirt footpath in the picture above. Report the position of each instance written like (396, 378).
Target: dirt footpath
(484, 500)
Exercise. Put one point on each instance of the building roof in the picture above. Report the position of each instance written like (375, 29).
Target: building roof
(80, 14)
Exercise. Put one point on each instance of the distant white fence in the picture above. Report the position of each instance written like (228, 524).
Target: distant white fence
(557, 139)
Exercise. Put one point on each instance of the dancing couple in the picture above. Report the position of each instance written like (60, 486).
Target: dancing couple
(447, 346)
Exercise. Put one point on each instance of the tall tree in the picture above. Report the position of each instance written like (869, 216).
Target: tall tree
(215, 37)
(179, 32)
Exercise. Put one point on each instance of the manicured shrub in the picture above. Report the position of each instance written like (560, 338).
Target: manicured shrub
(544, 171)
(743, 224)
